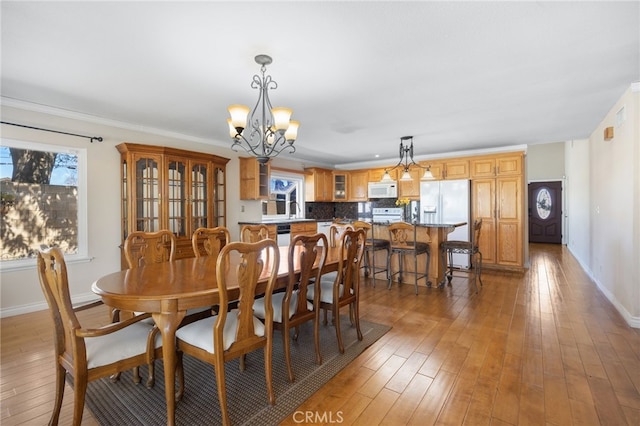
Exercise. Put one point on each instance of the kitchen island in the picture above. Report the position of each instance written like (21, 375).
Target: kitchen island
(431, 233)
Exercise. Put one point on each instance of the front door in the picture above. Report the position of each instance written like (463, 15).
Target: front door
(545, 212)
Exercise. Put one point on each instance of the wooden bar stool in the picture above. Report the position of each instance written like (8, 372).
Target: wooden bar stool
(449, 248)
(400, 244)
(371, 246)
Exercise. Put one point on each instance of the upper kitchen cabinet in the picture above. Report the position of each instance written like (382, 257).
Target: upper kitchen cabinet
(340, 182)
(358, 185)
(318, 184)
(496, 165)
(411, 188)
(254, 179)
(456, 169)
(174, 189)
(375, 175)
(436, 168)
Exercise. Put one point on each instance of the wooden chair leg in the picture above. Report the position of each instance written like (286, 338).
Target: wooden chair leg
(316, 337)
(336, 314)
(60, 376)
(356, 314)
(287, 351)
(222, 391)
(79, 392)
(268, 355)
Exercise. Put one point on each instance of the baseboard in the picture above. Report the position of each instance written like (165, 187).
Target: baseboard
(632, 321)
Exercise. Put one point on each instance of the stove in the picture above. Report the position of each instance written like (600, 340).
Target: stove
(388, 215)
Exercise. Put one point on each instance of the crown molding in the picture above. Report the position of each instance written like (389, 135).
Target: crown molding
(93, 119)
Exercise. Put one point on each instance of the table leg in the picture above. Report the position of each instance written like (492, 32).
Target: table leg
(168, 321)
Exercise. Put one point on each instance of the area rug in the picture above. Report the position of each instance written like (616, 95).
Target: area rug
(125, 403)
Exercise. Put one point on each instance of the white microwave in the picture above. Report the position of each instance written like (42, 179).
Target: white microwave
(383, 190)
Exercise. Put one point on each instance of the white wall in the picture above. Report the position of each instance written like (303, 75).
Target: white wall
(604, 186)
(545, 162)
(19, 290)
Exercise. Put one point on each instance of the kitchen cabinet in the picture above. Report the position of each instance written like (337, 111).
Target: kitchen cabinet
(358, 185)
(375, 175)
(303, 228)
(456, 169)
(499, 202)
(436, 168)
(501, 165)
(174, 189)
(318, 184)
(340, 190)
(411, 188)
(254, 179)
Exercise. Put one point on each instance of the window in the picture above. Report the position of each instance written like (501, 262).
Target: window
(286, 198)
(43, 194)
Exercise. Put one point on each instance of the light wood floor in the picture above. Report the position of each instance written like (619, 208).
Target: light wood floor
(544, 348)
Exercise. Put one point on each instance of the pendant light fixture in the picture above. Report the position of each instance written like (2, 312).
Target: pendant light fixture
(268, 130)
(406, 161)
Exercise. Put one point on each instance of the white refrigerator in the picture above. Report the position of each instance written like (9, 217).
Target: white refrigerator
(444, 202)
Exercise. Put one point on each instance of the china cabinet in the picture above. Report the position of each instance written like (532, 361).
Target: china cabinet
(169, 188)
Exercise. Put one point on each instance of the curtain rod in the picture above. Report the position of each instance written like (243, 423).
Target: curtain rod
(91, 138)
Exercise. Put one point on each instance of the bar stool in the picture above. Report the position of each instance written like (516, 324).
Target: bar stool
(400, 244)
(472, 248)
(371, 246)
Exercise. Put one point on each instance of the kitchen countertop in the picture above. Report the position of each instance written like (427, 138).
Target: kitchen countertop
(274, 221)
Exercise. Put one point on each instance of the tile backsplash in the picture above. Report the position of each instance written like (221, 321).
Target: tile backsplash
(355, 210)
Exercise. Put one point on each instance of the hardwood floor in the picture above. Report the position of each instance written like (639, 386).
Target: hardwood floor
(544, 348)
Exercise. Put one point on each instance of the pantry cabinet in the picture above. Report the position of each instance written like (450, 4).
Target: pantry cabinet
(497, 198)
(174, 189)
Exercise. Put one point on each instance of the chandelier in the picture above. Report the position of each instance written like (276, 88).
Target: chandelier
(269, 130)
(406, 161)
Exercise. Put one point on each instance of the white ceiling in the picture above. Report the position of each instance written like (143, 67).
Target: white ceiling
(358, 75)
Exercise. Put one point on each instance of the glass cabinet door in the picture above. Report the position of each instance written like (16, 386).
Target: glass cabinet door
(177, 197)
(199, 195)
(147, 197)
(219, 213)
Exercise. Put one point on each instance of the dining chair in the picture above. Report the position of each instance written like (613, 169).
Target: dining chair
(253, 233)
(402, 240)
(143, 248)
(344, 290)
(209, 241)
(472, 248)
(291, 307)
(336, 230)
(237, 332)
(88, 354)
(371, 246)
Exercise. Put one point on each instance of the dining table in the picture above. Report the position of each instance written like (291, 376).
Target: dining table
(168, 289)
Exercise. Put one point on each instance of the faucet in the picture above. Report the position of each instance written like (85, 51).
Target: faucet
(293, 213)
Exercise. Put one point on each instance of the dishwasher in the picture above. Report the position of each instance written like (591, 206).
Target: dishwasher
(323, 228)
(283, 231)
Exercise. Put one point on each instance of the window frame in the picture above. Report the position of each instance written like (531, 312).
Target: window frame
(83, 241)
(275, 174)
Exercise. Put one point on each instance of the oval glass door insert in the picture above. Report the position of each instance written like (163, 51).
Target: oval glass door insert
(543, 203)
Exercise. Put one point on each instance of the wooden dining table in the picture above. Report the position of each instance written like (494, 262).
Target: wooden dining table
(168, 289)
